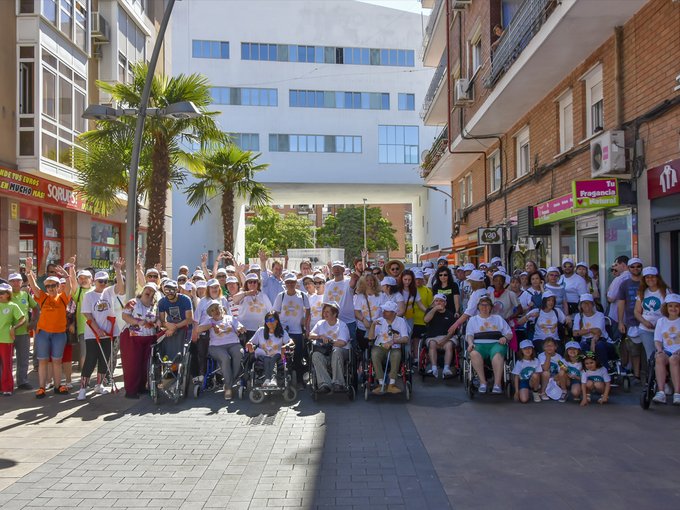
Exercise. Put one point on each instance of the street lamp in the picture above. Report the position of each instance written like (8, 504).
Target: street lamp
(437, 189)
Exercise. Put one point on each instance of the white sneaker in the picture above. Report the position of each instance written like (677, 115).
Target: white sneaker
(660, 397)
(497, 390)
(101, 390)
(676, 399)
(537, 397)
(435, 372)
(667, 389)
(447, 372)
(482, 388)
(81, 394)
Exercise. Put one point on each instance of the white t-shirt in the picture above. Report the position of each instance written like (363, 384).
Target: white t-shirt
(668, 333)
(597, 375)
(100, 305)
(222, 332)
(315, 308)
(253, 309)
(292, 310)
(201, 308)
(118, 301)
(147, 313)
(337, 331)
(546, 323)
(341, 293)
(362, 303)
(554, 362)
(651, 307)
(526, 299)
(574, 285)
(396, 298)
(613, 293)
(574, 369)
(597, 320)
(525, 368)
(471, 309)
(268, 346)
(493, 322)
(382, 330)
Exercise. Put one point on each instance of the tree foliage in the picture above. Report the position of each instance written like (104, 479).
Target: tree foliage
(346, 230)
(271, 233)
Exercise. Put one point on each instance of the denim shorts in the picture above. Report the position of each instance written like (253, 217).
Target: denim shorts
(524, 384)
(49, 345)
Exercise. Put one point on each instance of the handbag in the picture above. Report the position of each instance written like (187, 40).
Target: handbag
(323, 348)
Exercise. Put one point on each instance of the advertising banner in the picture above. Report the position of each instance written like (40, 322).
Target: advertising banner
(22, 185)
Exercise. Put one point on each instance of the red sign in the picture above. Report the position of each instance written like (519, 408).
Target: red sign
(19, 184)
(663, 180)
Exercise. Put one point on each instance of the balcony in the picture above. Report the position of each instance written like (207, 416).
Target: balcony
(435, 153)
(434, 41)
(544, 42)
(434, 107)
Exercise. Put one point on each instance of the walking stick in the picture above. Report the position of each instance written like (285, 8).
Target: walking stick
(101, 350)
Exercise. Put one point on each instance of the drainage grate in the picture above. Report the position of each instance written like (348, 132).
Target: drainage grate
(263, 419)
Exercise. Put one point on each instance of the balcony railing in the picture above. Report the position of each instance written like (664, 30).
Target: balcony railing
(526, 23)
(431, 22)
(435, 153)
(437, 79)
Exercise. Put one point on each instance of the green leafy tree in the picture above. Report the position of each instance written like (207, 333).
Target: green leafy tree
(271, 233)
(346, 230)
(103, 165)
(227, 172)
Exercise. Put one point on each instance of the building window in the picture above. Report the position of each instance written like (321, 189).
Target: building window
(80, 16)
(105, 245)
(209, 49)
(475, 55)
(594, 101)
(338, 99)
(26, 6)
(49, 10)
(246, 141)
(27, 84)
(327, 54)
(407, 101)
(398, 144)
(244, 96)
(566, 112)
(495, 172)
(66, 17)
(315, 143)
(523, 152)
(131, 46)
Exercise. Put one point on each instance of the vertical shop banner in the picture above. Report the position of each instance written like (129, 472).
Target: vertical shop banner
(595, 193)
(22, 185)
(663, 180)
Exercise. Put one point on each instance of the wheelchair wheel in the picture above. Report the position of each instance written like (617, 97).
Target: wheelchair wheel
(256, 396)
(626, 384)
(290, 393)
(351, 393)
(408, 392)
(366, 392)
(645, 399)
(197, 390)
(241, 391)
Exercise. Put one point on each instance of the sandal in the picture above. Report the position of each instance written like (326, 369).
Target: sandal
(40, 393)
(61, 390)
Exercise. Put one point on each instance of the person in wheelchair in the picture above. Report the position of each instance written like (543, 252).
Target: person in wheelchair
(667, 343)
(389, 332)
(487, 338)
(439, 319)
(267, 343)
(175, 312)
(330, 342)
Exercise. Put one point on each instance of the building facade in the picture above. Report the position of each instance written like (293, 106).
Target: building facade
(326, 91)
(555, 115)
(55, 52)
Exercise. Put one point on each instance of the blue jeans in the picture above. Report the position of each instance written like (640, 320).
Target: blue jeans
(298, 354)
(604, 351)
(50, 344)
(352, 326)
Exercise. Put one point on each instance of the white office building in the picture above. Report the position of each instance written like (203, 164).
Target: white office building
(328, 92)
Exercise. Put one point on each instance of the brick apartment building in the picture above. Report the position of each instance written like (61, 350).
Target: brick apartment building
(555, 118)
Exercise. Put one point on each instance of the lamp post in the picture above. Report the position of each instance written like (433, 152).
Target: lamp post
(434, 188)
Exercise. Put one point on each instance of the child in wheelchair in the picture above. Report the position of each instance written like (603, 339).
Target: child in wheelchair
(667, 344)
(267, 344)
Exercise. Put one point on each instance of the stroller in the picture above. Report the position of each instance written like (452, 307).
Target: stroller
(253, 378)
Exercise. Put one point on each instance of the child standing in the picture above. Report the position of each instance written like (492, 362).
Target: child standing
(527, 373)
(550, 363)
(11, 317)
(594, 378)
(574, 368)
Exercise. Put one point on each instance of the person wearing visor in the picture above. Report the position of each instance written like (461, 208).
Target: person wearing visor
(176, 315)
(389, 332)
(293, 309)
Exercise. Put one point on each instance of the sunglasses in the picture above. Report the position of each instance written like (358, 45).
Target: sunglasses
(181, 280)
(270, 319)
(52, 286)
(376, 273)
(102, 281)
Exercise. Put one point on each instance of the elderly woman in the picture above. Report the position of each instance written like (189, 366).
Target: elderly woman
(389, 333)
(487, 337)
(136, 340)
(330, 338)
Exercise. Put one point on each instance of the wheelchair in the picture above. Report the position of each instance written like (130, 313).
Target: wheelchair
(213, 379)
(652, 385)
(254, 378)
(169, 376)
(424, 358)
(349, 371)
(405, 373)
(471, 379)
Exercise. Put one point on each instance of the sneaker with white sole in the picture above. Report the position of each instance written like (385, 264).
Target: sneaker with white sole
(667, 389)
(435, 372)
(497, 390)
(81, 394)
(101, 390)
(482, 388)
(537, 397)
(563, 397)
(447, 373)
(676, 399)
(660, 397)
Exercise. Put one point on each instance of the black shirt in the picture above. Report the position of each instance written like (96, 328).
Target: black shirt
(440, 323)
(449, 292)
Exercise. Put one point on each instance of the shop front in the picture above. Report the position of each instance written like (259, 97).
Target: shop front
(590, 224)
(663, 191)
(467, 249)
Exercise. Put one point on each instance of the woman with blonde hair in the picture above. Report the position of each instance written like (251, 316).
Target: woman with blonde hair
(367, 301)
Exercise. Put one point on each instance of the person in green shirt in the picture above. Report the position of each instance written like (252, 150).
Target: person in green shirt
(22, 341)
(11, 317)
(81, 283)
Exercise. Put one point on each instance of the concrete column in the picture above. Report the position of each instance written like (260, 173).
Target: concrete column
(644, 219)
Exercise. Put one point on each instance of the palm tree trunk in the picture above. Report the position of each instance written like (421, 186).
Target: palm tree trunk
(228, 218)
(157, 201)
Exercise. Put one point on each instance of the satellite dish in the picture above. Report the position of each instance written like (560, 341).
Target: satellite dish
(423, 155)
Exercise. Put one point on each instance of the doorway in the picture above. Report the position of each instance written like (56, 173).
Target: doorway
(589, 247)
(668, 250)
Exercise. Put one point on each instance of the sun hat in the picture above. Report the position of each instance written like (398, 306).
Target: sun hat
(400, 263)
(389, 306)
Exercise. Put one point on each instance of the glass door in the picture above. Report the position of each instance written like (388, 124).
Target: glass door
(589, 247)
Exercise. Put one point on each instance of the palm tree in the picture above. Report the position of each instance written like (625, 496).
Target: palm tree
(227, 172)
(103, 165)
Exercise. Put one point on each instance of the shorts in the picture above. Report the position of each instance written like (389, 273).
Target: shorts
(488, 351)
(574, 382)
(436, 340)
(49, 345)
(633, 348)
(524, 384)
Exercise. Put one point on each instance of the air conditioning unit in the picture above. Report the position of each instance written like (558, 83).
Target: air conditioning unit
(101, 30)
(459, 5)
(458, 215)
(463, 91)
(608, 155)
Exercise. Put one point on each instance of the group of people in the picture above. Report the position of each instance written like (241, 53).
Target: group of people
(552, 318)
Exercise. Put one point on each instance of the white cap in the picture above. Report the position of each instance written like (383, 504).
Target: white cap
(14, 276)
(52, 279)
(582, 264)
(418, 274)
(568, 260)
(650, 271)
(548, 294)
(213, 303)
(198, 274)
(389, 306)
(254, 267)
(320, 277)
(672, 298)
(221, 271)
(212, 282)
(499, 273)
(183, 267)
(496, 261)
(526, 344)
(189, 286)
(634, 260)
(476, 276)
(85, 272)
(388, 280)
(252, 276)
(170, 283)
(469, 267)
(290, 278)
(439, 296)
(586, 297)
(201, 284)
(230, 269)
(151, 285)
(5, 287)
(62, 281)
(483, 264)
(151, 270)
(101, 275)
(338, 263)
(552, 269)
(572, 345)
(231, 279)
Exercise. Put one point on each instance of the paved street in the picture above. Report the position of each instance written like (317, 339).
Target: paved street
(440, 451)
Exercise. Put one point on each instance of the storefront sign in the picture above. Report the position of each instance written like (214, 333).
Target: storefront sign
(595, 193)
(101, 264)
(663, 180)
(490, 235)
(554, 210)
(19, 184)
